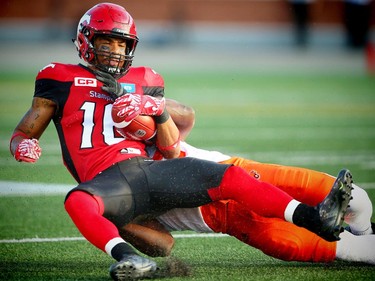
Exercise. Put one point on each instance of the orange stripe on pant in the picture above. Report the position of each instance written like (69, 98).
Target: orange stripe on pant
(275, 237)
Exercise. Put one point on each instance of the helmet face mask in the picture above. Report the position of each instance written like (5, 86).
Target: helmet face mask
(112, 62)
(106, 20)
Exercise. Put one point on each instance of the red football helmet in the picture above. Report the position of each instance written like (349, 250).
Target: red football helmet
(111, 20)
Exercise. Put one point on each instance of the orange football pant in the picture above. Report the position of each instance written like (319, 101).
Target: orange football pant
(275, 237)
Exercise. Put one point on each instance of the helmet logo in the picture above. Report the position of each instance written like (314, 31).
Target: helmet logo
(85, 20)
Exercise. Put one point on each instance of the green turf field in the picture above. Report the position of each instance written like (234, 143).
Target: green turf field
(319, 121)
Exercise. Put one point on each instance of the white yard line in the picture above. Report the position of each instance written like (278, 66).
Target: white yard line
(68, 239)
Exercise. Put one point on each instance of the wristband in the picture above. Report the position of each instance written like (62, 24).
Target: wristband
(169, 147)
(16, 135)
(162, 118)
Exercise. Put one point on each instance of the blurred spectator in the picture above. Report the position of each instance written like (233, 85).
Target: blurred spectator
(301, 19)
(357, 21)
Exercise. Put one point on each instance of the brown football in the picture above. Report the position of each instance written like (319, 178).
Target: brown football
(143, 127)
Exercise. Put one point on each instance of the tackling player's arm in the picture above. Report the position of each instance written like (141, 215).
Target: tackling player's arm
(182, 115)
(168, 136)
(24, 145)
(149, 236)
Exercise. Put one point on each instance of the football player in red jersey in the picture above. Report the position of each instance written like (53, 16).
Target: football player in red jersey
(116, 180)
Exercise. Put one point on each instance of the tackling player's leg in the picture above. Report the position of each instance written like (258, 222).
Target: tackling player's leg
(311, 187)
(274, 237)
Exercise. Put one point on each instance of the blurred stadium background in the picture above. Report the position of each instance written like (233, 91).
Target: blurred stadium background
(247, 33)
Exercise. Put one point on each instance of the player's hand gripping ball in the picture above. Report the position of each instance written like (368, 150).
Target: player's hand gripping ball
(129, 106)
(143, 128)
(132, 115)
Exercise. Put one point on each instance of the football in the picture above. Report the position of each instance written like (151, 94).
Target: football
(143, 127)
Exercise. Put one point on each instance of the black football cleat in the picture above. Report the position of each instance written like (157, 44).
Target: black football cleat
(132, 267)
(333, 208)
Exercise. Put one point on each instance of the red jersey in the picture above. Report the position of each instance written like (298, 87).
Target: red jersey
(88, 139)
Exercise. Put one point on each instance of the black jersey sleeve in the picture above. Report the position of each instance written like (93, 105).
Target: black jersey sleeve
(50, 89)
(155, 91)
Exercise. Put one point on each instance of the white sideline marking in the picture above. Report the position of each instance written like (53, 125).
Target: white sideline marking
(27, 188)
(40, 240)
(65, 239)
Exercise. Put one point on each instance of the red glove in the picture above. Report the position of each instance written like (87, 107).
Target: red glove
(28, 150)
(129, 106)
